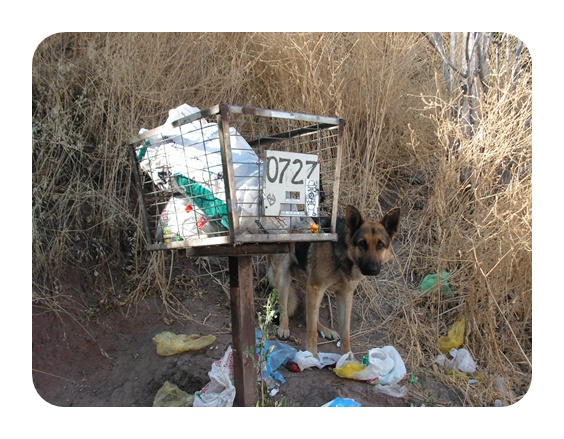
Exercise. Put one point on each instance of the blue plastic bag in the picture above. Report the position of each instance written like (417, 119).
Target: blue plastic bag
(342, 402)
(276, 353)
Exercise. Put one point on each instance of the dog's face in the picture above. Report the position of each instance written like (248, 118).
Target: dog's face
(371, 241)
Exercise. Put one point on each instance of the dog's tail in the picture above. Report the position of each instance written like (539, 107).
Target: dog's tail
(292, 300)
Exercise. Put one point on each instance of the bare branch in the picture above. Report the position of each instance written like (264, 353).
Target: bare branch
(437, 42)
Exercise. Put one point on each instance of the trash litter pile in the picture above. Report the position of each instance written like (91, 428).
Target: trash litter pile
(460, 361)
(169, 343)
(186, 163)
(381, 367)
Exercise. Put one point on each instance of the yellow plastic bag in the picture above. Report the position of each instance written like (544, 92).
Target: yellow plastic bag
(455, 336)
(169, 343)
(170, 395)
(349, 370)
(381, 366)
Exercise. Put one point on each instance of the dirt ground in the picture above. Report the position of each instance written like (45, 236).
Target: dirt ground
(108, 358)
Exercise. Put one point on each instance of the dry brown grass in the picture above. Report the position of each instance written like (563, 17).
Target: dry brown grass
(93, 91)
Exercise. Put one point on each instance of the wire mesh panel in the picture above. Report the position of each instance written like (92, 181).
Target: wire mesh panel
(234, 175)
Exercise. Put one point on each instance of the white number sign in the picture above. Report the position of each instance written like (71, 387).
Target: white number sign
(291, 184)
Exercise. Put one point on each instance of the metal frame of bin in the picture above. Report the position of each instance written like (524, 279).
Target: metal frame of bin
(239, 246)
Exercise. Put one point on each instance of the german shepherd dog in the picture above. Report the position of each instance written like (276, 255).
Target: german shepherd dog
(361, 248)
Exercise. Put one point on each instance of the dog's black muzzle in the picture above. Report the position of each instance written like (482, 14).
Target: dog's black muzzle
(370, 268)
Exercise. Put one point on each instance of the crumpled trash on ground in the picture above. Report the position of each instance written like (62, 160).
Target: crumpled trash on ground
(274, 355)
(461, 361)
(436, 283)
(455, 336)
(342, 402)
(170, 395)
(306, 360)
(220, 391)
(168, 343)
(382, 367)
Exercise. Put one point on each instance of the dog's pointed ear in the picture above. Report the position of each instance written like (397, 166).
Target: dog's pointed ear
(354, 219)
(390, 221)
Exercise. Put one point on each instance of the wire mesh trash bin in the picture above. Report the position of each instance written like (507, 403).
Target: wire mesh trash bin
(235, 175)
(235, 181)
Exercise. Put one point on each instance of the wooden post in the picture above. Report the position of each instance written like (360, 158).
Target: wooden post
(243, 330)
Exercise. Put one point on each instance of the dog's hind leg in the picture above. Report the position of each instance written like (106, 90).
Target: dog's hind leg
(288, 304)
(279, 278)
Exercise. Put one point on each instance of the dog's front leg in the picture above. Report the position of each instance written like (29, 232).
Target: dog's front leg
(344, 309)
(313, 300)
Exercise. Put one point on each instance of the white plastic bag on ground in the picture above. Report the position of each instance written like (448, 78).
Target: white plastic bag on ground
(306, 360)
(392, 363)
(384, 368)
(461, 361)
(384, 365)
(220, 391)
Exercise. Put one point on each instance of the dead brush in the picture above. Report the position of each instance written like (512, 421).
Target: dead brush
(477, 224)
